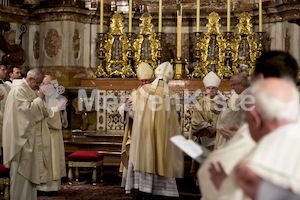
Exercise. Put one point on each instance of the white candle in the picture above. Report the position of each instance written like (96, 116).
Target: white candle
(228, 15)
(179, 24)
(160, 16)
(260, 16)
(130, 17)
(198, 16)
(101, 15)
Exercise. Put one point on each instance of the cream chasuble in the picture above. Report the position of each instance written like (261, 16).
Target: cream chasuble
(155, 122)
(26, 131)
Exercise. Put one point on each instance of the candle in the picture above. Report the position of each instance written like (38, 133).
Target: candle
(228, 15)
(101, 15)
(198, 16)
(130, 17)
(260, 16)
(179, 24)
(160, 16)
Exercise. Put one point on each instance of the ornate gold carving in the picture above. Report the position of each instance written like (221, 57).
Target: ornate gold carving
(116, 47)
(197, 73)
(244, 46)
(14, 54)
(53, 43)
(212, 46)
(146, 43)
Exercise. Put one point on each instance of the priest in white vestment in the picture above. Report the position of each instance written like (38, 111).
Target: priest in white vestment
(270, 64)
(145, 74)
(230, 119)
(26, 137)
(274, 124)
(154, 162)
(4, 90)
(55, 124)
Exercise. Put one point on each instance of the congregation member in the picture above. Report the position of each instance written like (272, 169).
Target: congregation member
(222, 161)
(231, 118)
(154, 162)
(273, 124)
(57, 152)
(26, 137)
(4, 90)
(144, 73)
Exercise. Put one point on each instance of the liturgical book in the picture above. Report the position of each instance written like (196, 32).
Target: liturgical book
(191, 148)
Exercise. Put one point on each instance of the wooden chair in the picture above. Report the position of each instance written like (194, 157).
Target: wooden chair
(85, 159)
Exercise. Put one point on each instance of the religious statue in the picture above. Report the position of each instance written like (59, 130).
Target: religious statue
(14, 53)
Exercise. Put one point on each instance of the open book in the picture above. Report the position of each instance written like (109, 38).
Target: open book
(191, 148)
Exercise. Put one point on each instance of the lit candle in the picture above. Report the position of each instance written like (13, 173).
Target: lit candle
(160, 16)
(198, 17)
(228, 15)
(130, 17)
(179, 24)
(101, 15)
(260, 16)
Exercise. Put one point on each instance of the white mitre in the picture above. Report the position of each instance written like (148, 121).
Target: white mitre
(144, 71)
(211, 80)
(163, 72)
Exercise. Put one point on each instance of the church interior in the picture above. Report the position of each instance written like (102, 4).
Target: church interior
(92, 47)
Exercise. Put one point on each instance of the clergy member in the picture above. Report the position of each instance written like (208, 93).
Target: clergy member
(144, 73)
(274, 125)
(4, 90)
(215, 184)
(55, 124)
(26, 137)
(204, 117)
(154, 162)
(231, 118)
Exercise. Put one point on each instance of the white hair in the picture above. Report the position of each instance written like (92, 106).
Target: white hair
(274, 109)
(35, 73)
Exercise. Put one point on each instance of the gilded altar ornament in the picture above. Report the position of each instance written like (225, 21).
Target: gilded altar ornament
(116, 48)
(100, 72)
(198, 72)
(212, 47)
(244, 46)
(226, 70)
(146, 45)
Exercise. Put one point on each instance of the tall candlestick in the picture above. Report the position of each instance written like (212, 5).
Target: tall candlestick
(198, 17)
(179, 24)
(228, 15)
(160, 16)
(130, 17)
(101, 15)
(260, 16)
